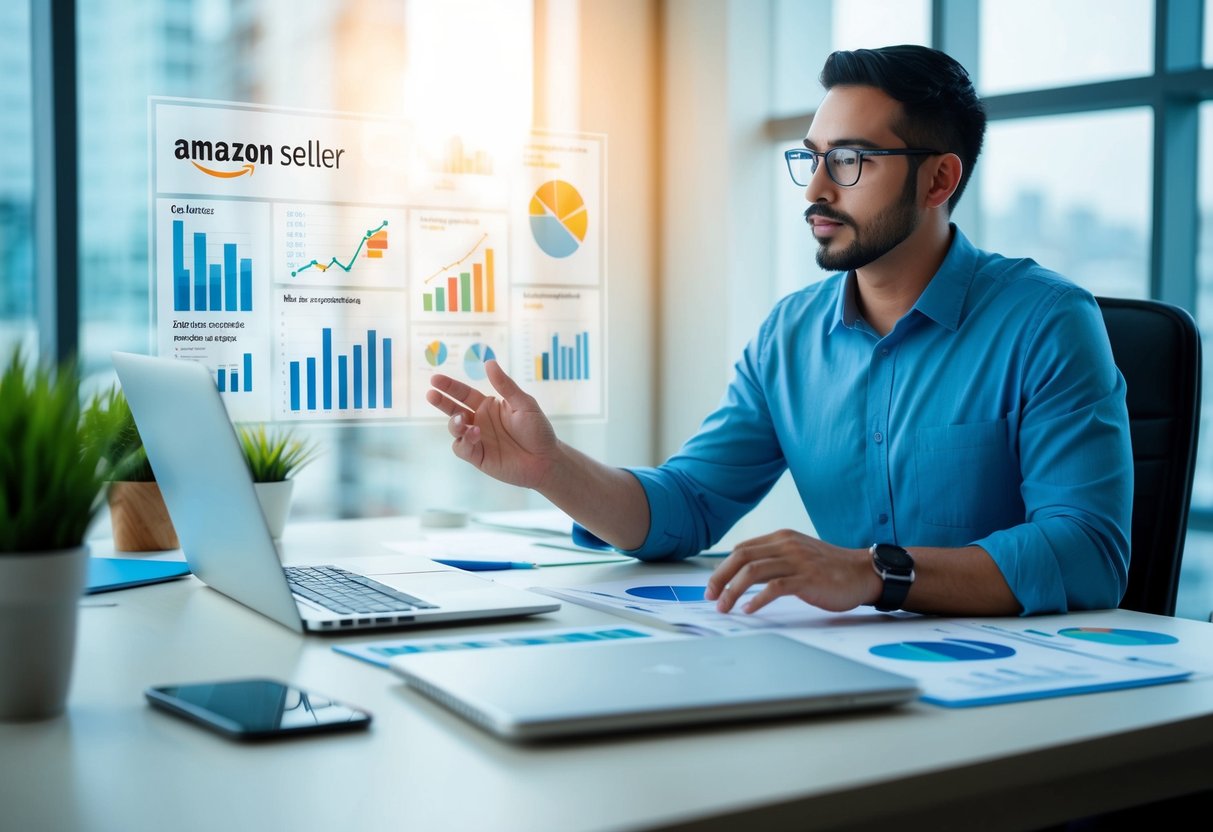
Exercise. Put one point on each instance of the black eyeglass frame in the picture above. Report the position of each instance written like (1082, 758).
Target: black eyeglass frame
(802, 153)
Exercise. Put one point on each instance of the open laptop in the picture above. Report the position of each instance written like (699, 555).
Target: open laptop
(206, 484)
(535, 693)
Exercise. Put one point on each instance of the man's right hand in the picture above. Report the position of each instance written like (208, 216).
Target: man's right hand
(507, 437)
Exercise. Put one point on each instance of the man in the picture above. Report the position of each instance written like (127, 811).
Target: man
(952, 419)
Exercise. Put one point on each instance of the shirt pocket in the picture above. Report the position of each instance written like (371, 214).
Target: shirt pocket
(966, 475)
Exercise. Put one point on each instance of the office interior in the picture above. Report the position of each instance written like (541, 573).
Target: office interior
(1098, 164)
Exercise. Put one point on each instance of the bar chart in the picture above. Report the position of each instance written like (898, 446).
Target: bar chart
(457, 260)
(236, 378)
(565, 363)
(222, 285)
(355, 380)
(468, 291)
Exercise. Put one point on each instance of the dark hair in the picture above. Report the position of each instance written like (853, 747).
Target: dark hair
(942, 110)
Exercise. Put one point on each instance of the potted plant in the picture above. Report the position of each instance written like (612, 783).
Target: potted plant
(138, 516)
(274, 455)
(52, 475)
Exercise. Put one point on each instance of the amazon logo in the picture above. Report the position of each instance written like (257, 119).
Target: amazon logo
(244, 156)
(228, 160)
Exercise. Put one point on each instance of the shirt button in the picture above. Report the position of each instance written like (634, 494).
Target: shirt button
(884, 350)
(884, 518)
(878, 437)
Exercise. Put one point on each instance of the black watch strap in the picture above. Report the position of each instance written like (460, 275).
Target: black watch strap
(895, 567)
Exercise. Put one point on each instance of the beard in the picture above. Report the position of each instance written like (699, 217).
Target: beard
(885, 232)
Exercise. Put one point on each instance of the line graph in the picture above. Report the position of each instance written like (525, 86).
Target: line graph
(460, 261)
(375, 239)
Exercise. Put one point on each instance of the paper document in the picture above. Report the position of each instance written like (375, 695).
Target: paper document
(957, 662)
(381, 652)
(504, 546)
(554, 523)
(674, 600)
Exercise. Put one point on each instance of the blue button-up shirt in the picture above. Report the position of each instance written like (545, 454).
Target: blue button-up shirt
(991, 415)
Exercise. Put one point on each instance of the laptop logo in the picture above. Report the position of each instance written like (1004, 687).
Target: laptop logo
(666, 669)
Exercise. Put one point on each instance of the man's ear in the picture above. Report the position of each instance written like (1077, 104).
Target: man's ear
(944, 171)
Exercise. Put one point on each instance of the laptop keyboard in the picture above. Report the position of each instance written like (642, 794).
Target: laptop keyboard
(344, 592)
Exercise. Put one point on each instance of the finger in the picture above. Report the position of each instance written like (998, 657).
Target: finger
(774, 589)
(458, 425)
(722, 574)
(753, 573)
(444, 403)
(505, 386)
(457, 390)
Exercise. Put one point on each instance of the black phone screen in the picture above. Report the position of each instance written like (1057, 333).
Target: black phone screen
(256, 708)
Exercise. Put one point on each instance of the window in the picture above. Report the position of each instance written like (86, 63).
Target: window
(1056, 190)
(1038, 44)
(16, 182)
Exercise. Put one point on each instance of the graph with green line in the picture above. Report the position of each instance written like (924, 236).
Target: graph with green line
(336, 245)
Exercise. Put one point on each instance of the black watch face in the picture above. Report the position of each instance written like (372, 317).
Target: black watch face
(894, 557)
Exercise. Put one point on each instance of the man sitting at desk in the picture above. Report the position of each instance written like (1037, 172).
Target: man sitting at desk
(929, 397)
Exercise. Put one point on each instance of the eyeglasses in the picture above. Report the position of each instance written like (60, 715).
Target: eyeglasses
(842, 163)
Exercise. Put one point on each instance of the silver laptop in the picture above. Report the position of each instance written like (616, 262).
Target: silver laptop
(535, 693)
(200, 467)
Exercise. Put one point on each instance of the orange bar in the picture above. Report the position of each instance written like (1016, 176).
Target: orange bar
(452, 292)
(488, 278)
(374, 252)
(538, 368)
(377, 241)
(478, 287)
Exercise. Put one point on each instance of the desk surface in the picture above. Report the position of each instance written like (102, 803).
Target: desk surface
(113, 763)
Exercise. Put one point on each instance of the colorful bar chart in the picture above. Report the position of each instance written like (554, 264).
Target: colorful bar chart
(457, 159)
(360, 380)
(236, 378)
(473, 291)
(215, 287)
(565, 363)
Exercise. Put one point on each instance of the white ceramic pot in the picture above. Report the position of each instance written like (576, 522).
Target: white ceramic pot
(275, 498)
(39, 595)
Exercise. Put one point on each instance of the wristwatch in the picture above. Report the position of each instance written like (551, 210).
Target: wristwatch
(895, 567)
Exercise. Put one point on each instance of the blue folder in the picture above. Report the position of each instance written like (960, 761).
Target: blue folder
(108, 574)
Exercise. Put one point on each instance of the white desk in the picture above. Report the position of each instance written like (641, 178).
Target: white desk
(112, 763)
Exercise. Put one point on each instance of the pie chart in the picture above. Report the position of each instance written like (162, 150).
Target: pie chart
(435, 353)
(558, 218)
(1115, 635)
(474, 358)
(944, 650)
(677, 594)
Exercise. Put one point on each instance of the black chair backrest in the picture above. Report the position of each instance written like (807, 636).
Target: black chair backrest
(1157, 348)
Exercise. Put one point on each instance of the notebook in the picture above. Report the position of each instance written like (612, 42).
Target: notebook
(520, 693)
(109, 574)
(206, 485)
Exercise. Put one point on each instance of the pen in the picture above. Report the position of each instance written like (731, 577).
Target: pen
(485, 565)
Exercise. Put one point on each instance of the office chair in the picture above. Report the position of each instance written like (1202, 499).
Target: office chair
(1157, 348)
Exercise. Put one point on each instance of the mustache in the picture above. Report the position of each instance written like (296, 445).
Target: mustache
(827, 213)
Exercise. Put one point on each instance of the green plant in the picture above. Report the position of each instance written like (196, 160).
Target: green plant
(52, 469)
(273, 455)
(123, 455)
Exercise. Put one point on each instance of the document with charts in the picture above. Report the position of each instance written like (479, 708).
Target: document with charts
(958, 662)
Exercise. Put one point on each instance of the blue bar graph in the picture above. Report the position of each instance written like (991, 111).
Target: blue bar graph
(565, 363)
(232, 379)
(355, 388)
(212, 287)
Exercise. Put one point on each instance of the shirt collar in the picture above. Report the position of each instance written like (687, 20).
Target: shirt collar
(943, 299)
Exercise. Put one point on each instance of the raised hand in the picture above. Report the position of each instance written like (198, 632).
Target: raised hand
(506, 436)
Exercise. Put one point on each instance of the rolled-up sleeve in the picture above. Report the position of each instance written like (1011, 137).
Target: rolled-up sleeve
(1072, 551)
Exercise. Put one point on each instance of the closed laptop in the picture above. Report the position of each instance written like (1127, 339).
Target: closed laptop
(531, 693)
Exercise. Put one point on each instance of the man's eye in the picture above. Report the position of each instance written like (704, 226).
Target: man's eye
(846, 161)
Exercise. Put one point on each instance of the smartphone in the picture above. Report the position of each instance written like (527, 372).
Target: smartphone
(256, 709)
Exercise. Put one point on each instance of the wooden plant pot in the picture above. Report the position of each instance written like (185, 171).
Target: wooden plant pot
(140, 519)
